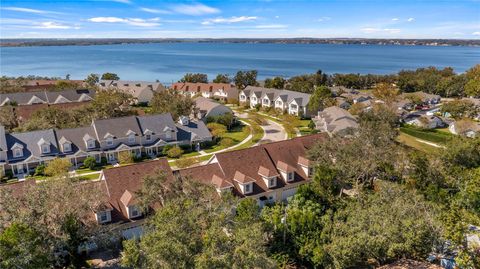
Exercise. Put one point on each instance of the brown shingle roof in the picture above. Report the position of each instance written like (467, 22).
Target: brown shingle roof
(129, 179)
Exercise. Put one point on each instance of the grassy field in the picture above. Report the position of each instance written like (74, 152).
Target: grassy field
(434, 136)
(412, 142)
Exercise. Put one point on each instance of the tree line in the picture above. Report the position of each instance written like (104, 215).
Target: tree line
(444, 82)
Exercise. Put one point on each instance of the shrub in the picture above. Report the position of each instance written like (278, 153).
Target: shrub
(57, 167)
(226, 142)
(125, 157)
(90, 162)
(257, 107)
(166, 148)
(40, 170)
(174, 152)
(103, 161)
(311, 125)
(217, 129)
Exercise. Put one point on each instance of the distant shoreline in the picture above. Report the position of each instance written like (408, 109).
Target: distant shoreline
(337, 41)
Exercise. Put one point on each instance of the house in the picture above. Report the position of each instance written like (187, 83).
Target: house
(267, 173)
(465, 127)
(142, 91)
(424, 98)
(50, 98)
(294, 103)
(140, 135)
(424, 121)
(209, 108)
(221, 91)
(42, 84)
(335, 120)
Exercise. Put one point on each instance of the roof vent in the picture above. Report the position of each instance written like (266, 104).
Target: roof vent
(184, 120)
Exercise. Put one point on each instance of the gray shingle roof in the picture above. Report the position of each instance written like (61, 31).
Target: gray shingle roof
(195, 130)
(75, 136)
(22, 98)
(30, 140)
(156, 123)
(3, 141)
(118, 127)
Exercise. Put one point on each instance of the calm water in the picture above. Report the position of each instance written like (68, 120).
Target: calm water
(168, 62)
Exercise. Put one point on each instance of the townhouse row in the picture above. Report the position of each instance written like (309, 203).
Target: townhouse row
(294, 103)
(222, 91)
(46, 97)
(147, 135)
(267, 173)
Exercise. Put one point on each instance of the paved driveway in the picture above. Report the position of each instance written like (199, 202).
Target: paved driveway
(273, 132)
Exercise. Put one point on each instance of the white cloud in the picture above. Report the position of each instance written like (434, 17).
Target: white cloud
(324, 19)
(371, 30)
(277, 17)
(229, 20)
(130, 21)
(30, 10)
(271, 26)
(476, 33)
(395, 19)
(54, 25)
(155, 11)
(195, 9)
(411, 19)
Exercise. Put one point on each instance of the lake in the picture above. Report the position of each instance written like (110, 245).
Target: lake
(167, 62)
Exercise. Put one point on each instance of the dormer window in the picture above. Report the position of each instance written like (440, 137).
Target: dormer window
(134, 211)
(148, 137)
(265, 101)
(279, 103)
(91, 144)
(67, 147)
(242, 97)
(168, 135)
(110, 141)
(272, 182)
(254, 99)
(17, 153)
(291, 176)
(104, 216)
(131, 138)
(247, 188)
(45, 148)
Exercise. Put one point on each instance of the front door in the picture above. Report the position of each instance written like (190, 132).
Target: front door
(20, 169)
(111, 156)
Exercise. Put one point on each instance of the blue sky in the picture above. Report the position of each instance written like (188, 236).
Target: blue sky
(262, 18)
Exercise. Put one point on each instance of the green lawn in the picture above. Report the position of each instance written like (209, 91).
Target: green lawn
(237, 134)
(434, 136)
(411, 141)
(90, 177)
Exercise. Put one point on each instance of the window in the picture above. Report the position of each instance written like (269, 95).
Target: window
(134, 212)
(279, 103)
(91, 144)
(265, 101)
(242, 97)
(131, 138)
(248, 188)
(109, 141)
(45, 148)
(17, 153)
(272, 182)
(103, 216)
(290, 176)
(293, 106)
(148, 137)
(168, 135)
(254, 98)
(67, 147)
(310, 171)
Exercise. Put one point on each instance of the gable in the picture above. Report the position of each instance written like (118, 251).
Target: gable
(61, 99)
